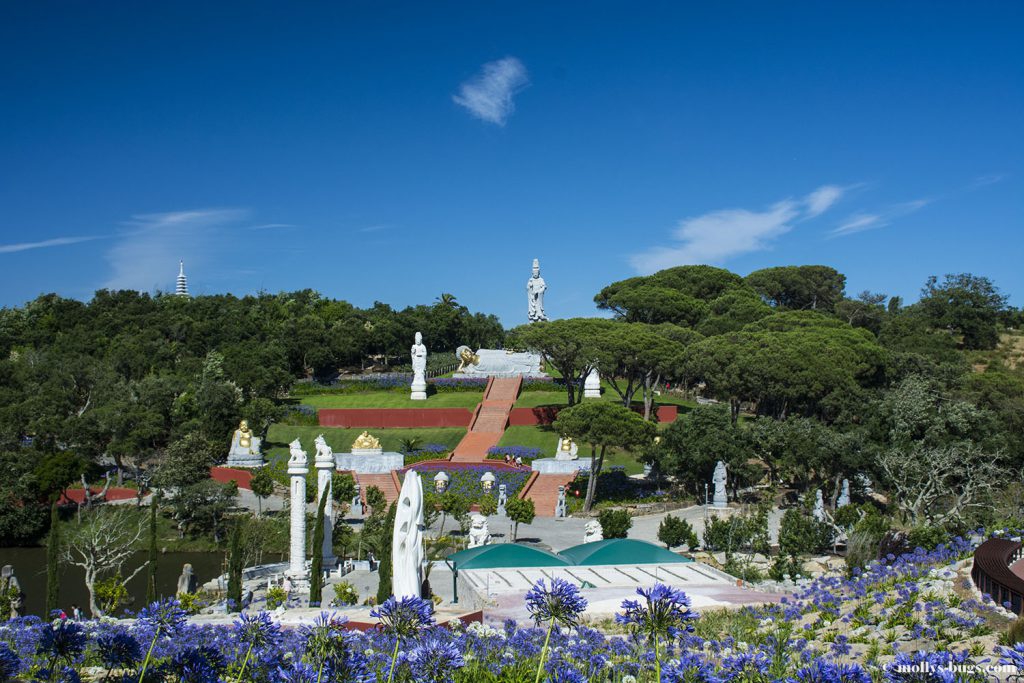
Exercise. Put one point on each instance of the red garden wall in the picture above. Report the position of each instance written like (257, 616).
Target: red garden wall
(385, 418)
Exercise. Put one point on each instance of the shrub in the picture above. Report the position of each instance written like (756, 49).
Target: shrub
(675, 531)
(110, 593)
(927, 537)
(739, 532)
(801, 534)
(345, 594)
(276, 596)
(488, 505)
(615, 523)
(861, 548)
(520, 511)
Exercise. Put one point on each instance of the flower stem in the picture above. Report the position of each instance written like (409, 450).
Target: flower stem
(149, 653)
(544, 651)
(394, 656)
(244, 662)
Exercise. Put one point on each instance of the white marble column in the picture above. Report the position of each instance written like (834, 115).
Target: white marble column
(297, 471)
(324, 471)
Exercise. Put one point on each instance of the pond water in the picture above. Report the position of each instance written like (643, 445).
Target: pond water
(30, 568)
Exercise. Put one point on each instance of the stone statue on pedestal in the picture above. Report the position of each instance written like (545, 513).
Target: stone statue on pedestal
(419, 370)
(407, 546)
(478, 532)
(245, 447)
(187, 581)
(560, 507)
(719, 480)
(567, 449)
(502, 499)
(535, 288)
(356, 509)
(844, 495)
(11, 587)
(593, 532)
(819, 506)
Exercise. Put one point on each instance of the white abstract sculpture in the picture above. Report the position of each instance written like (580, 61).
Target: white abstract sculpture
(819, 506)
(419, 370)
(592, 385)
(593, 532)
(478, 532)
(324, 473)
(567, 449)
(535, 288)
(297, 471)
(407, 546)
(721, 499)
(844, 495)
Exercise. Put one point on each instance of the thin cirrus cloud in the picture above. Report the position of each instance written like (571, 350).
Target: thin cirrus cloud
(146, 253)
(55, 242)
(489, 95)
(859, 222)
(716, 236)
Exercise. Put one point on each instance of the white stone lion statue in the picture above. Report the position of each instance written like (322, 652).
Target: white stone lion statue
(478, 533)
(593, 532)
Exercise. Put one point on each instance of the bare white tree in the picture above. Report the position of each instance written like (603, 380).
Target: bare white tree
(102, 543)
(937, 484)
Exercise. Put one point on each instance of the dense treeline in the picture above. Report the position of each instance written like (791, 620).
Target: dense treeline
(126, 377)
(924, 400)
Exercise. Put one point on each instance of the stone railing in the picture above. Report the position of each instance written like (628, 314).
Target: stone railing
(991, 572)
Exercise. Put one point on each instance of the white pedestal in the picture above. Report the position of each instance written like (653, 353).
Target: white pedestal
(592, 385)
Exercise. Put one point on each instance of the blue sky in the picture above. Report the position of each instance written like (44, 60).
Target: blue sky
(394, 151)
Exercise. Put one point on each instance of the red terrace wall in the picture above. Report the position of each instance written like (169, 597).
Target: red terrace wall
(545, 415)
(113, 493)
(468, 618)
(386, 418)
(225, 474)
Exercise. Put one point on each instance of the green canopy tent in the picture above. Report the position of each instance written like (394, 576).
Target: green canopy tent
(500, 556)
(623, 551)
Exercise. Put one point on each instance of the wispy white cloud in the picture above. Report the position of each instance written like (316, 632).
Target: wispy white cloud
(984, 180)
(272, 226)
(719, 235)
(488, 95)
(859, 222)
(148, 250)
(55, 242)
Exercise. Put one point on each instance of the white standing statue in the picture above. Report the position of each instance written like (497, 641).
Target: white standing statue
(567, 449)
(419, 370)
(592, 384)
(819, 506)
(478, 533)
(535, 288)
(844, 495)
(593, 532)
(324, 475)
(560, 507)
(297, 471)
(719, 480)
(407, 546)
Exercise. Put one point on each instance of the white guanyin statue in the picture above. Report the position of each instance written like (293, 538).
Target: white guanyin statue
(535, 288)
(719, 481)
(418, 352)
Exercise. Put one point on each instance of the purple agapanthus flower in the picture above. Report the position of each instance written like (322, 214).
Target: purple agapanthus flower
(822, 671)
(666, 613)
(434, 660)
(1013, 656)
(10, 663)
(406, 616)
(165, 616)
(560, 603)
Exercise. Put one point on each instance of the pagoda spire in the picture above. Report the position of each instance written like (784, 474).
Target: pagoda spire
(182, 287)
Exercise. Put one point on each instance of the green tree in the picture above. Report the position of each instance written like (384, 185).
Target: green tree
(520, 511)
(236, 563)
(188, 461)
(799, 287)
(262, 486)
(571, 345)
(316, 573)
(376, 500)
(676, 531)
(603, 425)
(385, 559)
(615, 523)
(801, 534)
(453, 505)
(968, 304)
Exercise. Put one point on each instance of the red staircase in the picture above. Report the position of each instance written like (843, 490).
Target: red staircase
(489, 420)
(543, 491)
(385, 482)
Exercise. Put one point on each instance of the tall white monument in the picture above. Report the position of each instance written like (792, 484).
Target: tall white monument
(592, 385)
(419, 370)
(844, 495)
(297, 471)
(721, 499)
(535, 288)
(324, 473)
(407, 546)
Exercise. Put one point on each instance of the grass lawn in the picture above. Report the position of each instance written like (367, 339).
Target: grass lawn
(341, 440)
(394, 399)
(546, 440)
